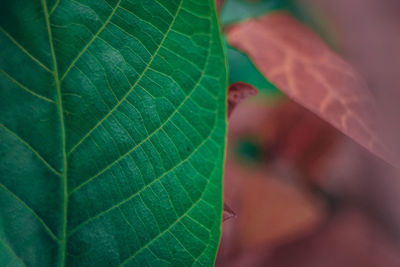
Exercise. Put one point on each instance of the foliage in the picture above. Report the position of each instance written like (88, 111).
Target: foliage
(112, 128)
(299, 63)
(113, 121)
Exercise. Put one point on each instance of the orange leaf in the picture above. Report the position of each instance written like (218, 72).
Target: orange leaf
(299, 63)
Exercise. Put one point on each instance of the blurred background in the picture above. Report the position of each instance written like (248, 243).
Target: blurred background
(304, 194)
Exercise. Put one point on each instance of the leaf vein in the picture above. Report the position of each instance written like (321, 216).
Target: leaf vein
(138, 145)
(54, 7)
(141, 190)
(25, 88)
(163, 232)
(12, 252)
(23, 203)
(91, 41)
(134, 85)
(63, 241)
(31, 149)
(24, 50)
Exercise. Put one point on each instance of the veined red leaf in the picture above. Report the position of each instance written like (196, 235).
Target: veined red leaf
(299, 63)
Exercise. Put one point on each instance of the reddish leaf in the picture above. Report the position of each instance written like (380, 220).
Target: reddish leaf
(301, 65)
(237, 92)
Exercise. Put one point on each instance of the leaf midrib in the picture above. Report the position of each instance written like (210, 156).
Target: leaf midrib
(63, 241)
(58, 80)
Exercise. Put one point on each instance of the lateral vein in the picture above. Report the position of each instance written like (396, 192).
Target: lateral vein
(25, 88)
(23, 203)
(133, 86)
(24, 50)
(13, 252)
(91, 41)
(34, 151)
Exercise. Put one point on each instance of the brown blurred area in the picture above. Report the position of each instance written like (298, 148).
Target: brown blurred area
(304, 194)
(301, 191)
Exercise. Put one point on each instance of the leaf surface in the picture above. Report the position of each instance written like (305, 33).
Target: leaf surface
(112, 129)
(298, 62)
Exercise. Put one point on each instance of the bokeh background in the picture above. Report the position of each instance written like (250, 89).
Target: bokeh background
(304, 194)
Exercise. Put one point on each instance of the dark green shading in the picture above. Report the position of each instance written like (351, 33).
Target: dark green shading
(112, 132)
(249, 150)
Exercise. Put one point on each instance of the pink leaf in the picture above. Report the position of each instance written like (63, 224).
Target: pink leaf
(299, 63)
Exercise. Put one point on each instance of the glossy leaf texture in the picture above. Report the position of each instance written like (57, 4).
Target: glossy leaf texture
(112, 129)
(298, 62)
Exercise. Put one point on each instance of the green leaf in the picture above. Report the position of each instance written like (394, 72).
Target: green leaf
(112, 129)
